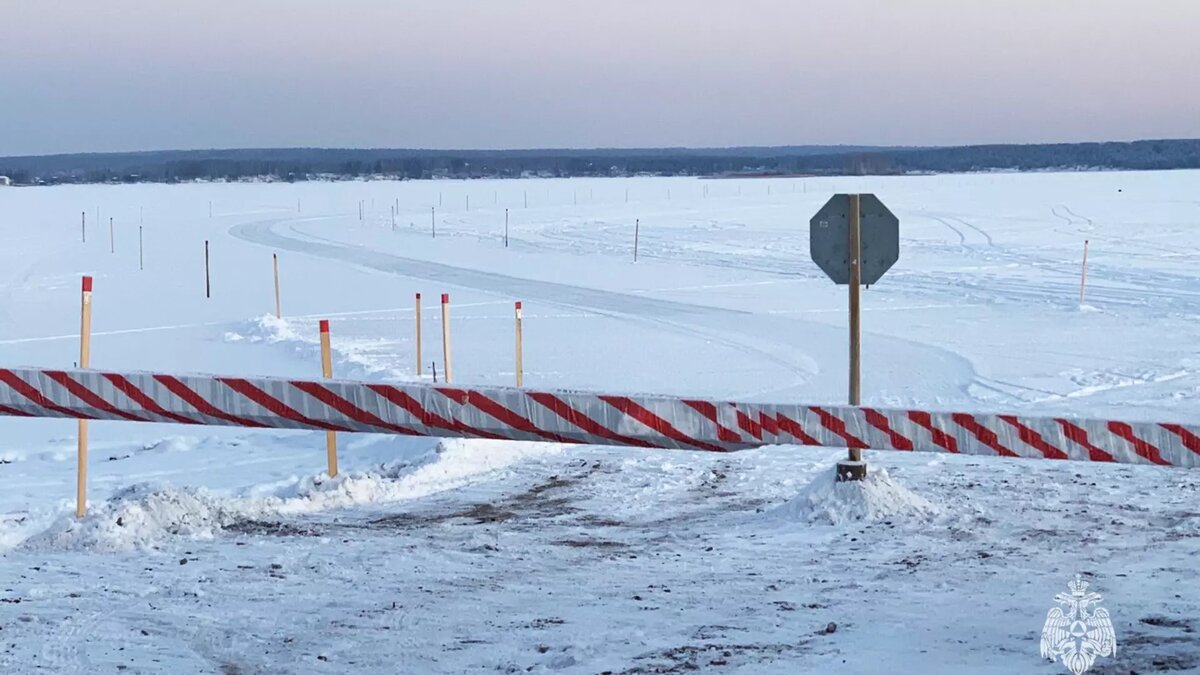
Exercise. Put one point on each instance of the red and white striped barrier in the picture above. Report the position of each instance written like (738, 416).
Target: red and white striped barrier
(576, 417)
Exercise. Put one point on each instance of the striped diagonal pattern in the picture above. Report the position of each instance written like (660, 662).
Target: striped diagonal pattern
(577, 417)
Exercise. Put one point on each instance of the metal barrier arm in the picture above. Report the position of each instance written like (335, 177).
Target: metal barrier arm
(576, 417)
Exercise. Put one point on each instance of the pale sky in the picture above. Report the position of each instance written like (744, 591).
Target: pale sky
(82, 75)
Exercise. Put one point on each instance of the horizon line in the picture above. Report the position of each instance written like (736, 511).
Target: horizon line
(687, 148)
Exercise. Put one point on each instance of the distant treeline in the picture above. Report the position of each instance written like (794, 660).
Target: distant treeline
(292, 164)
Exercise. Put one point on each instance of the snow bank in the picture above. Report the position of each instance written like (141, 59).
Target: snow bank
(826, 501)
(353, 357)
(453, 463)
(147, 516)
(270, 330)
(141, 516)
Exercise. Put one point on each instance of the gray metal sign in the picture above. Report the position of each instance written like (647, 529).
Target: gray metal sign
(829, 238)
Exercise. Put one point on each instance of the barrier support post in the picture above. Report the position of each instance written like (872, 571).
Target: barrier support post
(520, 342)
(446, 338)
(85, 356)
(327, 371)
(637, 226)
(855, 468)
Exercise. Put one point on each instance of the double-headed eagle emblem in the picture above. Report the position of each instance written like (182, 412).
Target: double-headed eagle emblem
(1076, 634)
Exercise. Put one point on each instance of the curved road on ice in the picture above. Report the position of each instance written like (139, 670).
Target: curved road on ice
(801, 349)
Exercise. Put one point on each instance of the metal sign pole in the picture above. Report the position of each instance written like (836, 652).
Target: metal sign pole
(855, 301)
(855, 469)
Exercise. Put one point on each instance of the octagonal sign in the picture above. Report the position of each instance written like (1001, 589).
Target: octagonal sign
(879, 237)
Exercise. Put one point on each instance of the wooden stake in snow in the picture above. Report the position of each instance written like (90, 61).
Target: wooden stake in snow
(446, 337)
(141, 255)
(112, 241)
(468, 202)
(207, 277)
(433, 221)
(418, 335)
(526, 193)
(278, 304)
(1083, 273)
(505, 228)
(637, 226)
(83, 225)
(85, 357)
(520, 341)
(327, 371)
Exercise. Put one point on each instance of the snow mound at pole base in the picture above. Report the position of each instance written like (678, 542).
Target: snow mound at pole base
(139, 517)
(826, 501)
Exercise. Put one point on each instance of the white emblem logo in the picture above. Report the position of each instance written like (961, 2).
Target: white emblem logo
(1075, 634)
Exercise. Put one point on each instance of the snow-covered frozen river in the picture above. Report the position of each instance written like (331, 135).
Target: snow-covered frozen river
(226, 551)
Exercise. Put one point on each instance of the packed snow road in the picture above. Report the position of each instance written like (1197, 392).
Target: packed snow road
(591, 560)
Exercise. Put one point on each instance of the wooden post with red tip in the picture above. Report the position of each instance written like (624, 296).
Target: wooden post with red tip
(85, 357)
(327, 372)
(418, 316)
(520, 342)
(446, 338)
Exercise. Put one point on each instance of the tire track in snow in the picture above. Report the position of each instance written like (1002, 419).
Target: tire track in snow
(987, 237)
(962, 238)
(1072, 214)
